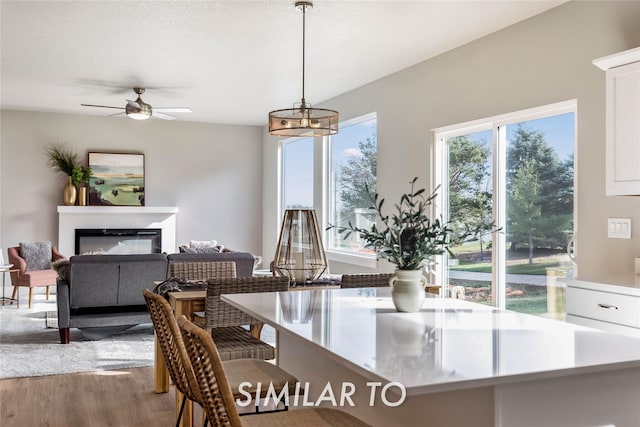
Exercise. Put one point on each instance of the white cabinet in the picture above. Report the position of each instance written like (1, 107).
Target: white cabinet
(611, 308)
(622, 122)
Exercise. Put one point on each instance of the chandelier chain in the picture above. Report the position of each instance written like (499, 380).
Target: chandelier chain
(304, 14)
(302, 120)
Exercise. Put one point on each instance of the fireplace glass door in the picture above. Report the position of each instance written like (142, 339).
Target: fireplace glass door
(118, 241)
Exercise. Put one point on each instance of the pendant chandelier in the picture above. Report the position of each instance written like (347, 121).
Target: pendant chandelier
(302, 119)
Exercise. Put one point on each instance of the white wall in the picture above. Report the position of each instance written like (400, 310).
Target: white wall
(212, 173)
(542, 60)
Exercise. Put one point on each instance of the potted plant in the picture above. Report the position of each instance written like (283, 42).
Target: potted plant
(80, 178)
(409, 239)
(64, 160)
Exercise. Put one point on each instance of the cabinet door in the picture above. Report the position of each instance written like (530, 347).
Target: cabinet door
(623, 130)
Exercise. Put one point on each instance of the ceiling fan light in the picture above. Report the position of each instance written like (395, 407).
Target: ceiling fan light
(142, 113)
(138, 116)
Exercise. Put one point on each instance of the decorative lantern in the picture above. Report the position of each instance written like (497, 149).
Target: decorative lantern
(300, 254)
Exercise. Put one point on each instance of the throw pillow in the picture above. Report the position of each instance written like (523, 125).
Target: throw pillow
(62, 267)
(37, 255)
(202, 243)
(213, 250)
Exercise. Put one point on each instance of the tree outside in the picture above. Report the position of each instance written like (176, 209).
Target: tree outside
(524, 206)
(356, 175)
(470, 195)
(354, 180)
(555, 181)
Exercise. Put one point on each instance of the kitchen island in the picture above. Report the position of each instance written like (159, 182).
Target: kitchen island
(453, 363)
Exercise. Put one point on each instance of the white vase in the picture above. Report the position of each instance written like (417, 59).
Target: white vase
(407, 290)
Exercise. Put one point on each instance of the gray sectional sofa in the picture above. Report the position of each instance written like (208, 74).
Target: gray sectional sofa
(106, 291)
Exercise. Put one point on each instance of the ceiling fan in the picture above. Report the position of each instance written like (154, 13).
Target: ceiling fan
(140, 110)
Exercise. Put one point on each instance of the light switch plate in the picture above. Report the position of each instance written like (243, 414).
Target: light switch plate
(619, 228)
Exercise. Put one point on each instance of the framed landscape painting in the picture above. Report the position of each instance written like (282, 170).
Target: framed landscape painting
(116, 179)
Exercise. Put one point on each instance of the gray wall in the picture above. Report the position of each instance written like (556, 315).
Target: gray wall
(212, 173)
(542, 60)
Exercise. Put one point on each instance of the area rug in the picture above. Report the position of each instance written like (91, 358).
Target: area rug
(30, 345)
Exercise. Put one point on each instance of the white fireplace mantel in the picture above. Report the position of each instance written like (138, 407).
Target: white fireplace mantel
(82, 210)
(72, 217)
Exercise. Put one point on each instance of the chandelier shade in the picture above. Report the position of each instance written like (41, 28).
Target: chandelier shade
(300, 255)
(302, 120)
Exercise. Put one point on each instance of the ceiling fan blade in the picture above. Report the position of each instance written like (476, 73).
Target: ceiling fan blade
(134, 104)
(116, 114)
(173, 109)
(101, 106)
(162, 115)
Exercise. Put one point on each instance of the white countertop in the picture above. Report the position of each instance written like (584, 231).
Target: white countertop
(450, 344)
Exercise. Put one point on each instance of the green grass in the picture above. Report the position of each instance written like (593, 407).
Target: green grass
(469, 247)
(477, 267)
(470, 283)
(532, 305)
(534, 300)
(538, 268)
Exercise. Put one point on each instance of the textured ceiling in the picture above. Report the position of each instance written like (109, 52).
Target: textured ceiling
(230, 61)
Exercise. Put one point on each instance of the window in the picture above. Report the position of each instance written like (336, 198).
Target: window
(297, 174)
(518, 171)
(351, 168)
(334, 182)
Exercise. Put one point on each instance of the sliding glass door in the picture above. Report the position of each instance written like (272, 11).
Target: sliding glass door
(517, 171)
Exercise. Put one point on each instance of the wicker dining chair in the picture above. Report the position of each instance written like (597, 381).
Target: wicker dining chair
(202, 270)
(218, 401)
(181, 371)
(173, 350)
(365, 280)
(226, 323)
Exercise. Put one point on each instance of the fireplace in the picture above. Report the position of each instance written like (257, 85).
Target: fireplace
(118, 241)
(71, 218)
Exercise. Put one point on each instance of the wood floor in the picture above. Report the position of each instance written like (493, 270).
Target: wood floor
(119, 398)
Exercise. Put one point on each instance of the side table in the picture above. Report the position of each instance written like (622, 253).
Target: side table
(4, 269)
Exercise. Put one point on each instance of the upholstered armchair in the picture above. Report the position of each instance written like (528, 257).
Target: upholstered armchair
(33, 268)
